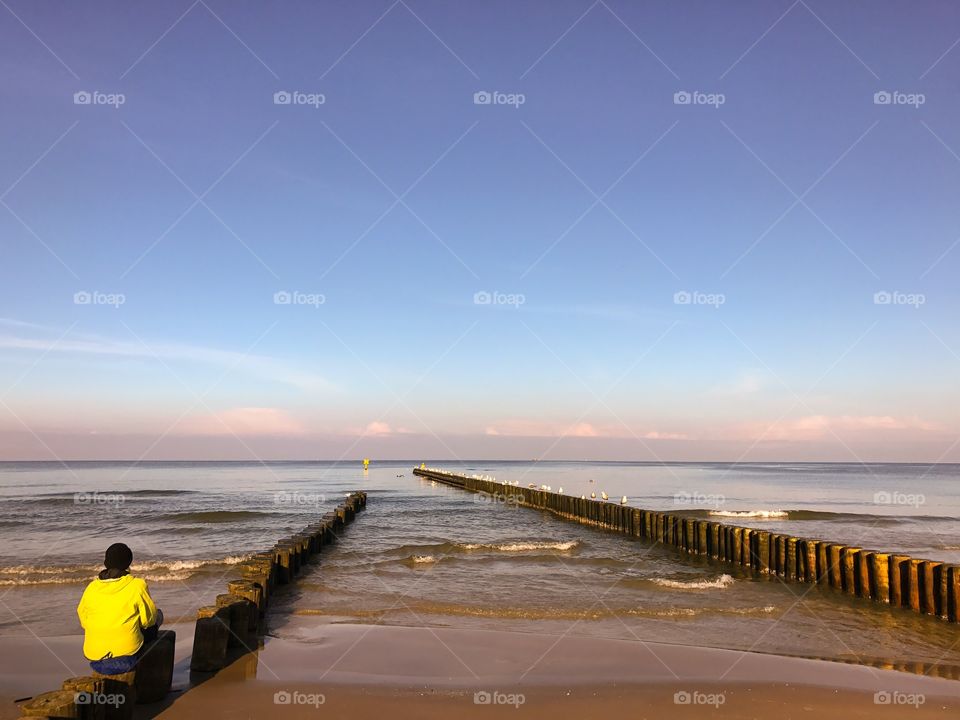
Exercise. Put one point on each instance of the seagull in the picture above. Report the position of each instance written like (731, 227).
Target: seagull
(593, 496)
(560, 491)
(604, 495)
(623, 500)
(583, 497)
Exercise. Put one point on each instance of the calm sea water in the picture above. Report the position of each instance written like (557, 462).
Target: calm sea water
(425, 554)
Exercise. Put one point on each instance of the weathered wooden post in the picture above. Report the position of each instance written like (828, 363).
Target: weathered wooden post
(899, 587)
(210, 639)
(929, 575)
(879, 576)
(912, 590)
(238, 619)
(56, 704)
(790, 567)
(848, 557)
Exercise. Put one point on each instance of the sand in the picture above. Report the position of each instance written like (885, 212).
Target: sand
(369, 671)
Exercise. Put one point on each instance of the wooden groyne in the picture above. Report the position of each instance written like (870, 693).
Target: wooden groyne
(232, 625)
(928, 587)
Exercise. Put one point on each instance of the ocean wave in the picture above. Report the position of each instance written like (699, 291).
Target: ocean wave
(422, 559)
(753, 514)
(522, 546)
(530, 613)
(723, 581)
(153, 571)
(214, 516)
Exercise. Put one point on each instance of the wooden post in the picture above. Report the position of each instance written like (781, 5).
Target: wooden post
(880, 576)
(953, 593)
(154, 673)
(899, 572)
(929, 572)
(56, 704)
(210, 639)
(238, 613)
(835, 568)
(912, 590)
(790, 567)
(848, 557)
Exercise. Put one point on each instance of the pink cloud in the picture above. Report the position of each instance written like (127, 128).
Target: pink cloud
(539, 428)
(243, 421)
(817, 427)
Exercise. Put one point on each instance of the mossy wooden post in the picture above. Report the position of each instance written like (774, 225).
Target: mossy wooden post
(636, 523)
(210, 639)
(737, 536)
(56, 704)
(105, 697)
(929, 592)
(761, 551)
(790, 551)
(703, 529)
(690, 538)
(880, 576)
(713, 549)
(722, 542)
(809, 554)
(251, 592)
(745, 559)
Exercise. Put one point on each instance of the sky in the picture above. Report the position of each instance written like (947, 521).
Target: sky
(456, 230)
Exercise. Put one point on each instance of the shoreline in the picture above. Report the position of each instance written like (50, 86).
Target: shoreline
(429, 672)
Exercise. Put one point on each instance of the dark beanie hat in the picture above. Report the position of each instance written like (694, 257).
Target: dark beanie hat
(118, 557)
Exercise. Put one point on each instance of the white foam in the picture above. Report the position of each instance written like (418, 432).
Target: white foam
(522, 546)
(756, 514)
(419, 559)
(723, 581)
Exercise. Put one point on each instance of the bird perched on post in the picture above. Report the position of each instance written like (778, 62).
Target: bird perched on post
(603, 494)
(623, 500)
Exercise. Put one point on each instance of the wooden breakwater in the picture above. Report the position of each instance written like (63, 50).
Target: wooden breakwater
(234, 623)
(928, 587)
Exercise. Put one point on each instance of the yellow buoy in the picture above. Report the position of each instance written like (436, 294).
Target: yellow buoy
(366, 464)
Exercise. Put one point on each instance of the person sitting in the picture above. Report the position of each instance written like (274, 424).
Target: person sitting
(117, 614)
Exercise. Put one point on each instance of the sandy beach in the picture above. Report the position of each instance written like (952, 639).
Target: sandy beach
(356, 671)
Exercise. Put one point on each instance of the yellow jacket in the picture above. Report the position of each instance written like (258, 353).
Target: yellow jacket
(112, 613)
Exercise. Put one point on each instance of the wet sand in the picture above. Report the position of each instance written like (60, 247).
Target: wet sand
(361, 671)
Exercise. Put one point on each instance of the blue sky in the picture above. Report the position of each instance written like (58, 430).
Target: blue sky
(780, 201)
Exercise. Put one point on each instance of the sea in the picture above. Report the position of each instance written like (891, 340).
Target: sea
(425, 554)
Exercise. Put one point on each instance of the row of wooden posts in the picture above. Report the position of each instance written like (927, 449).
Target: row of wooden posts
(929, 587)
(233, 623)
